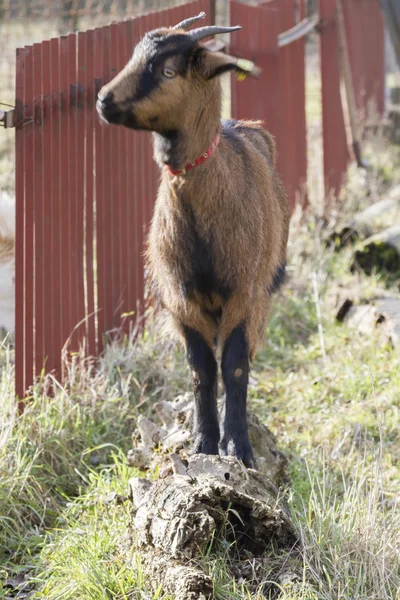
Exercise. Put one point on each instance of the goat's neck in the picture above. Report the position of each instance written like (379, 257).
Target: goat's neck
(192, 137)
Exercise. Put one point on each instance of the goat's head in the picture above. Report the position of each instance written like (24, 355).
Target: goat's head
(169, 67)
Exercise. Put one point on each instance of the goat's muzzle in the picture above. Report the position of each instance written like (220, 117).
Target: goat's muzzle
(107, 109)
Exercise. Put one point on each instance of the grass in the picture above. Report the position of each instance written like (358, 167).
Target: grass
(329, 394)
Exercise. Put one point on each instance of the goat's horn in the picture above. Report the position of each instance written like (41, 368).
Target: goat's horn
(202, 32)
(189, 22)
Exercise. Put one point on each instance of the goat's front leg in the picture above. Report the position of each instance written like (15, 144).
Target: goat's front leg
(204, 378)
(235, 372)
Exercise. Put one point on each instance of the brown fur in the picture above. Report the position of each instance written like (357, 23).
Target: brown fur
(247, 218)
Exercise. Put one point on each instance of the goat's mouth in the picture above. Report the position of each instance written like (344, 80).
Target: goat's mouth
(112, 115)
(108, 114)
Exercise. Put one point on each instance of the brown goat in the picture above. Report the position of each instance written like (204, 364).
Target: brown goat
(217, 244)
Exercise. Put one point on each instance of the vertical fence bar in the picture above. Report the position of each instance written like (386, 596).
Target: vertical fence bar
(73, 244)
(47, 263)
(115, 200)
(102, 199)
(80, 216)
(89, 127)
(125, 191)
(99, 192)
(38, 213)
(336, 153)
(29, 298)
(158, 19)
(292, 139)
(108, 219)
(20, 225)
(65, 195)
(135, 148)
(56, 237)
(131, 206)
(140, 148)
(149, 22)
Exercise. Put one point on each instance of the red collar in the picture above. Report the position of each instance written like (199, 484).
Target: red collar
(198, 161)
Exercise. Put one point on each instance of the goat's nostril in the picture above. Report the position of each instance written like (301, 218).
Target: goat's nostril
(107, 99)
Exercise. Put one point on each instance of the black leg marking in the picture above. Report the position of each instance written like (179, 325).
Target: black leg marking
(204, 377)
(235, 372)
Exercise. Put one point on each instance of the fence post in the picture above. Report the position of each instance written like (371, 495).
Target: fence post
(213, 11)
(336, 153)
(292, 139)
(365, 40)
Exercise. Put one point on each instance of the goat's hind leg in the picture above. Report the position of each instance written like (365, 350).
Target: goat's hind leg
(235, 372)
(204, 378)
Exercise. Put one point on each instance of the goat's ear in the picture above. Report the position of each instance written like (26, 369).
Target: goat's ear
(211, 64)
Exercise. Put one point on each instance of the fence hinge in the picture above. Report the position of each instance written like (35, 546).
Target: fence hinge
(7, 118)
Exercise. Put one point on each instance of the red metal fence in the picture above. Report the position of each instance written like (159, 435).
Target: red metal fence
(278, 97)
(365, 40)
(85, 193)
(84, 196)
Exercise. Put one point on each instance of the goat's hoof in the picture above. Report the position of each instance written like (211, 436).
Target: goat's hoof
(205, 444)
(239, 446)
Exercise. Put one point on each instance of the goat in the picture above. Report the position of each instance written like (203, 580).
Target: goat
(216, 249)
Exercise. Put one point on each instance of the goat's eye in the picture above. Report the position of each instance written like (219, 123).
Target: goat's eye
(168, 72)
